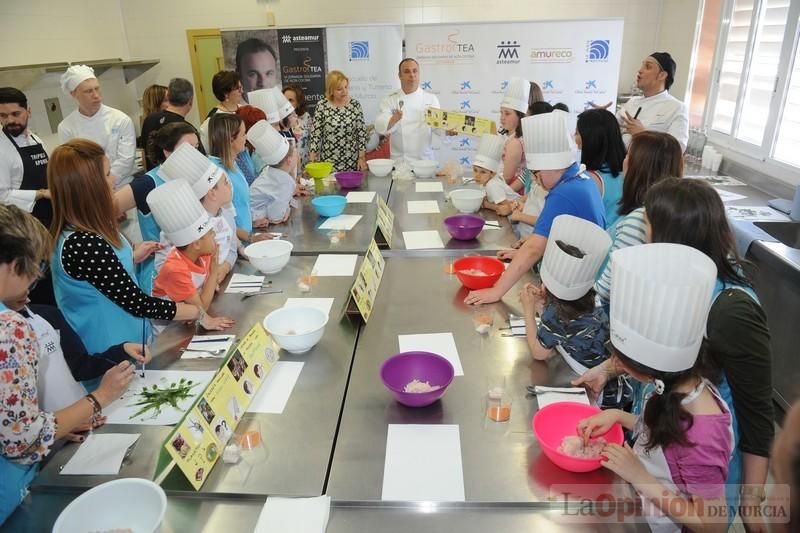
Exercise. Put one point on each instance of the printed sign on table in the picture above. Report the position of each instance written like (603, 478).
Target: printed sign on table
(368, 280)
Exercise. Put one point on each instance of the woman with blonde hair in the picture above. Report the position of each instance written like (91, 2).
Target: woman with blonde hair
(154, 99)
(338, 133)
(27, 431)
(93, 263)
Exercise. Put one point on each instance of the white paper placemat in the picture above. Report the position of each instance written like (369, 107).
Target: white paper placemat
(335, 265)
(101, 454)
(419, 207)
(360, 197)
(276, 388)
(430, 186)
(443, 344)
(341, 222)
(421, 240)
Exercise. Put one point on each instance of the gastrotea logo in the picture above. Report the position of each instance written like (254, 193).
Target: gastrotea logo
(508, 53)
(359, 50)
(597, 50)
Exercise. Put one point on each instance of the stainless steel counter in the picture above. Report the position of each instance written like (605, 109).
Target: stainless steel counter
(403, 191)
(302, 228)
(212, 515)
(299, 441)
(501, 462)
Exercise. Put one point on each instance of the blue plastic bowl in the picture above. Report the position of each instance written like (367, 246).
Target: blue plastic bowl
(329, 206)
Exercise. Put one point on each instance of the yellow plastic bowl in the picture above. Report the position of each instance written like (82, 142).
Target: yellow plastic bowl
(320, 169)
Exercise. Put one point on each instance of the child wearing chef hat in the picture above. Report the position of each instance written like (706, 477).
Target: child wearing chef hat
(513, 107)
(571, 325)
(485, 167)
(272, 191)
(189, 273)
(684, 437)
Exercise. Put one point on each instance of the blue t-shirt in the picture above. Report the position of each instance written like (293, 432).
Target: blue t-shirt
(612, 193)
(241, 194)
(577, 196)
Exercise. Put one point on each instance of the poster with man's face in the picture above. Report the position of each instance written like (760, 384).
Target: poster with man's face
(278, 58)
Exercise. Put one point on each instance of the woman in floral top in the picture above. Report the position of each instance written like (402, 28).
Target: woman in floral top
(338, 135)
(26, 432)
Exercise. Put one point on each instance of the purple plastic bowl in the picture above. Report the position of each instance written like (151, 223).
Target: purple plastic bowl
(464, 227)
(349, 179)
(405, 367)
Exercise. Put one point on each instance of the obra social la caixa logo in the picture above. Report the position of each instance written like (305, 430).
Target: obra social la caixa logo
(359, 50)
(453, 50)
(597, 50)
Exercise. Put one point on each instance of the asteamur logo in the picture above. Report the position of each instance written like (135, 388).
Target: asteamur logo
(508, 53)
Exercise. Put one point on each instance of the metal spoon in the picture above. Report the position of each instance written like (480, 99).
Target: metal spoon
(212, 352)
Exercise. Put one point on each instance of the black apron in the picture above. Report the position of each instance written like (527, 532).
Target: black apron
(34, 177)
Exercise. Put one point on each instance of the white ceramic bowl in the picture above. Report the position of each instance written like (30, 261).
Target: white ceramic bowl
(380, 167)
(130, 503)
(467, 200)
(296, 329)
(424, 168)
(269, 256)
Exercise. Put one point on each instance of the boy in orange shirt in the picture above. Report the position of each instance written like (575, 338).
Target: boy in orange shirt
(189, 273)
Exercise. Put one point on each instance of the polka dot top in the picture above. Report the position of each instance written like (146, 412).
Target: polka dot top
(88, 257)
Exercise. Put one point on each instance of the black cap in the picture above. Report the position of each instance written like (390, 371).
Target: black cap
(667, 65)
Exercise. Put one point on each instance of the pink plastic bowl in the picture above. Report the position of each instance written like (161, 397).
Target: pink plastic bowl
(400, 369)
(350, 179)
(558, 420)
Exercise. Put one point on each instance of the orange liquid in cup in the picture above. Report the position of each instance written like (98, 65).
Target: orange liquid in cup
(498, 413)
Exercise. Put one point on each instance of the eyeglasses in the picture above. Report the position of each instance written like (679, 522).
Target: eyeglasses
(44, 266)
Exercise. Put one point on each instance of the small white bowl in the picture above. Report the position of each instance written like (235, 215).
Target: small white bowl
(424, 168)
(296, 329)
(467, 200)
(269, 256)
(380, 167)
(130, 503)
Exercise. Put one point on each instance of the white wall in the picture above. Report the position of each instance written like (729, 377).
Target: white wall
(158, 29)
(57, 30)
(45, 31)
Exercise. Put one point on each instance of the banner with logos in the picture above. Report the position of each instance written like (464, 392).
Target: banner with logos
(368, 56)
(468, 67)
(268, 57)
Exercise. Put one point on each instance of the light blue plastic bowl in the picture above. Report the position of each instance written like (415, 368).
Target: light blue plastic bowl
(329, 206)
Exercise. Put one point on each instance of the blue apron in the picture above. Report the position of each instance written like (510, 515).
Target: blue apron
(14, 479)
(642, 390)
(241, 195)
(99, 322)
(146, 270)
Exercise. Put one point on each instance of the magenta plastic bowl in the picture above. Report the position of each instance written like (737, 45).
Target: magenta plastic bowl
(464, 227)
(405, 367)
(555, 421)
(349, 179)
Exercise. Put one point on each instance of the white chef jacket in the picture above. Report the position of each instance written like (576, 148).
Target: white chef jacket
(498, 191)
(12, 170)
(660, 112)
(271, 194)
(411, 137)
(113, 130)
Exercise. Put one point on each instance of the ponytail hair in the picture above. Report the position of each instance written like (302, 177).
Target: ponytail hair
(666, 420)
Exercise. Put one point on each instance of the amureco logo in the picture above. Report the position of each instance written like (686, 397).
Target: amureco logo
(551, 55)
(359, 50)
(508, 53)
(597, 50)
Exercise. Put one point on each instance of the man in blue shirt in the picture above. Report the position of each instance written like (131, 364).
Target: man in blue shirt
(551, 154)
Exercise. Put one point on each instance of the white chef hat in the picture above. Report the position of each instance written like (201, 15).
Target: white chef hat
(490, 152)
(73, 77)
(187, 163)
(565, 276)
(179, 213)
(660, 297)
(549, 144)
(516, 96)
(285, 107)
(270, 145)
(266, 100)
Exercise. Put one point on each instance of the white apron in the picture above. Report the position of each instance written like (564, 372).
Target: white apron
(656, 463)
(57, 388)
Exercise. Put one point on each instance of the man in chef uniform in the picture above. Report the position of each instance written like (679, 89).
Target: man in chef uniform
(402, 115)
(656, 109)
(110, 128)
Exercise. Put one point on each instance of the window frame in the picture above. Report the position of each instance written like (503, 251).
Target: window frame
(759, 156)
